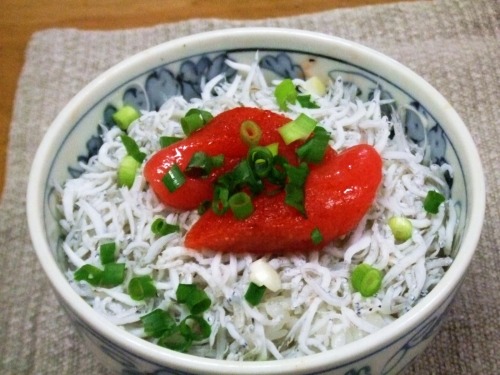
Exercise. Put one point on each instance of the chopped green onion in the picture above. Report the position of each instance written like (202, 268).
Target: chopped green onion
(260, 160)
(132, 148)
(113, 275)
(161, 228)
(195, 298)
(315, 85)
(273, 147)
(298, 129)
(195, 119)
(220, 201)
(277, 175)
(242, 175)
(432, 201)
(175, 341)
(306, 102)
(205, 115)
(174, 178)
(285, 93)
(125, 116)
(107, 252)
(126, 171)
(366, 280)
(166, 141)
(201, 164)
(158, 323)
(141, 287)
(254, 294)
(294, 189)
(316, 236)
(295, 197)
(241, 205)
(401, 228)
(217, 160)
(371, 283)
(250, 133)
(195, 328)
(297, 175)
(88, 273)
(227, 182)
(313, 150)
(358, 273)
(203, 207)
(191, 123)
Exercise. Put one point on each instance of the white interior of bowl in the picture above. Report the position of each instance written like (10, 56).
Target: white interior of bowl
(257, 38)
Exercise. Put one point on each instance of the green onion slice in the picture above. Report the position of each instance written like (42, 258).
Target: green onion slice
(366, 280)
(160, 227)
(158, 323)
(175, 341)
(285, 93)
(432, 201)
(316, 236)
(294, 189)
(313, 150)
(243, 175)
(113, 275)
(107, 252)
(401, 228)
(277, 175)
(201, 164)
(261, 161)
(174, 178)
(273, 147)
(358, 273)
(298, 129)
(306, 102)
(371, 283)
(132, 148)
(195, 328)
(195, 119)
(125, 116)
(241, 205)
(254, 294)
(203, 207)
(220, 201)
(250, 133)
(166, 141)
(126, 171)
(294, 196)
(195, 298)
(315, 85)
(297, 175)
(88, 273)
(240, 177)
(141, 287)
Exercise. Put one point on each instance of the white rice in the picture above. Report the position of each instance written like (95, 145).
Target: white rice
(316, 309)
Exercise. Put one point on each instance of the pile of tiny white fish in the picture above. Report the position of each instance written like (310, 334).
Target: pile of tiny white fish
(316, 308)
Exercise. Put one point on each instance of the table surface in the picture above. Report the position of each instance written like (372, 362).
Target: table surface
(19, 19)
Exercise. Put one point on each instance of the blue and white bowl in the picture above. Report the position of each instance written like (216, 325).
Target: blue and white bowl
(177, 67)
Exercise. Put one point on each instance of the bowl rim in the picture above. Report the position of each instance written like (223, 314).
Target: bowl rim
(348, 353)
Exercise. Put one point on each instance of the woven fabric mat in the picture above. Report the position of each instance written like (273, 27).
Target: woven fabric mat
(453, 44)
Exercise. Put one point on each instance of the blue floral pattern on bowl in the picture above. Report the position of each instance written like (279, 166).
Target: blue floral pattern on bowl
(148, 92)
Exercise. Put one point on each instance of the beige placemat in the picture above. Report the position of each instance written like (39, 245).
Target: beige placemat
(453, 44)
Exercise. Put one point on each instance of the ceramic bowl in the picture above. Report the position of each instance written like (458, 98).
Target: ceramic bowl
(177, 67)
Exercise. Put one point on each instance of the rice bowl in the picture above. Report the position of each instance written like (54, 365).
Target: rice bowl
(356, 248)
